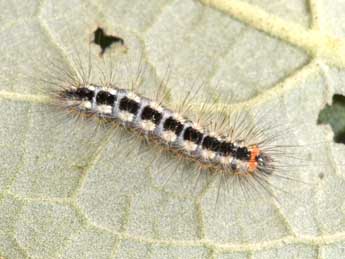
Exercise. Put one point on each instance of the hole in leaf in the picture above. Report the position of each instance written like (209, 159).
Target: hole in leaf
(104, 40)
(334, 115)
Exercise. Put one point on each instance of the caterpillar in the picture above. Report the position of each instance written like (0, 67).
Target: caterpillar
(168, 128)
(226, 147)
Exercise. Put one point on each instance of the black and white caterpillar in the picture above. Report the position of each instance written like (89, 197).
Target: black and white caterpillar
(167, 128)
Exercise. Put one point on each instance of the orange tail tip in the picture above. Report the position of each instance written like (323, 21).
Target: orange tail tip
(255, 152)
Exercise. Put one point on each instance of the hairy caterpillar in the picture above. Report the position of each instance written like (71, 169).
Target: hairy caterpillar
(226, 145)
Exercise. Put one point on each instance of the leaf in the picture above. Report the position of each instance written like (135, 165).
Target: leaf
(66, 193)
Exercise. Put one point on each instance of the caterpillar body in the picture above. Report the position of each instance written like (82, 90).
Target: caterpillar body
(168, 128)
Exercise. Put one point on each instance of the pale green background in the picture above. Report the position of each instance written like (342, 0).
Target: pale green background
(62, 197)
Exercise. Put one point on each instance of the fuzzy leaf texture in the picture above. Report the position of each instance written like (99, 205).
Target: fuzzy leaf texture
(69, 193)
